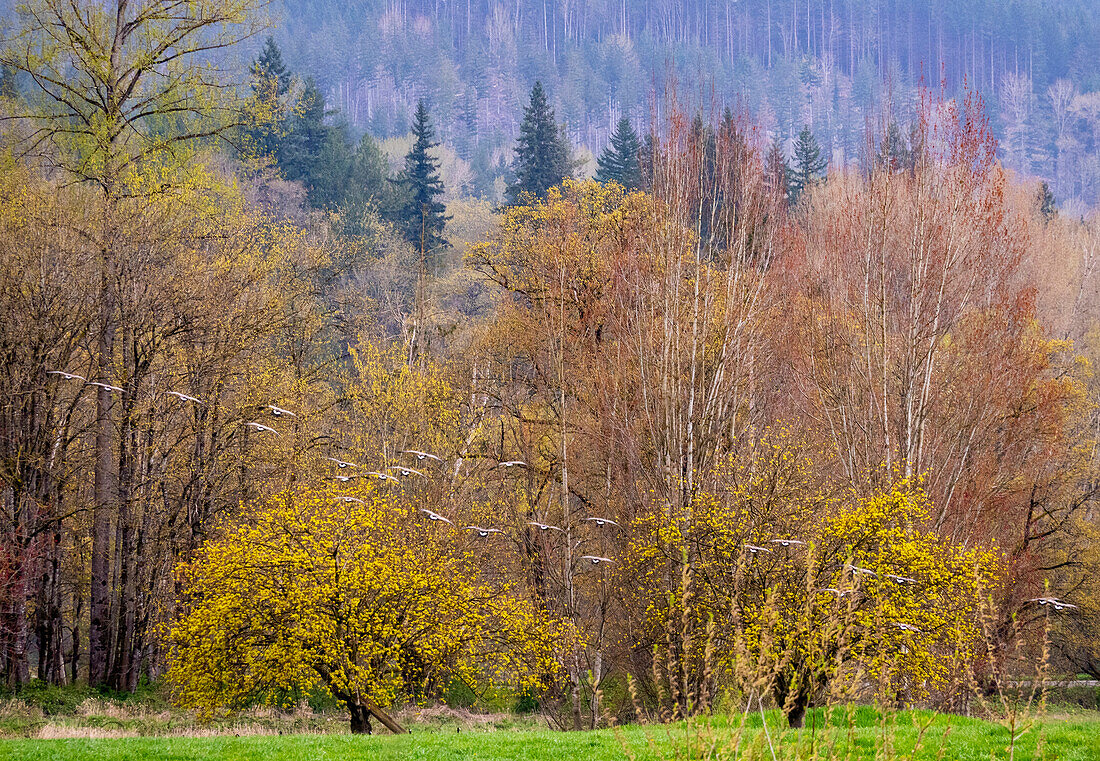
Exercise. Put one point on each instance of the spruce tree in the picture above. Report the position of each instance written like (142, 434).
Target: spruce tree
(894, 154)
(422, 215)
(619, 161)
(316, 153)
(1047, 204)
(777, 173)
(270, 86)
(808, 163)
(542, 153)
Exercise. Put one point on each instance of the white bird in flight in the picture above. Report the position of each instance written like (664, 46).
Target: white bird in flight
(67, 376)
(263, 428)
(406, 472)
(901, 579)
(279, 411)
(1054, 603)
(342, 463)
(543, 526)
(907, 627)
(857, 569)
(351, 499)
(382, 476)
(787, 542)
(421, 455)
(837, 592)
(596, 559)
(107, 386)
(344, 479)
(483, 531)
(433, 516)
(754, 549)
(184, 397)
(602, 521)
(512, 464)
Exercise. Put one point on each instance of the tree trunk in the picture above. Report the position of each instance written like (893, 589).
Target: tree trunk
(99, 629)
(360, 720)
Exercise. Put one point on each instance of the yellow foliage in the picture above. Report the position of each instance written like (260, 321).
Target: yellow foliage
(354, 596)
(869, 590)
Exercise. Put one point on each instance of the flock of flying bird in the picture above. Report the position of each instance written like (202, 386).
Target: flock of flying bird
(753, 549)
(341, 465)
(483, 532)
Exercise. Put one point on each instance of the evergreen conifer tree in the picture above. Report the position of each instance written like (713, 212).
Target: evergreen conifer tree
(316, 153)
(894, 153)
(777, 173)
(269, 67)
(619, 161)
(542, 153)
(270, 86)
(1047, 205)
(808, 163)
(422, 215)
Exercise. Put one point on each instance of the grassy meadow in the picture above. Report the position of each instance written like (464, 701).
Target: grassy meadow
(861, 734)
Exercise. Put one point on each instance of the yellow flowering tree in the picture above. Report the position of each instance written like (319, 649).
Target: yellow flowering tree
(865, 592)
(352, 594)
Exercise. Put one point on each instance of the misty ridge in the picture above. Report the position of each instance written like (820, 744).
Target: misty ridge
(836, 66)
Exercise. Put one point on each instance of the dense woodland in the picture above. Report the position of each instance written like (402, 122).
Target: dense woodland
(282, 410)
(833, 65)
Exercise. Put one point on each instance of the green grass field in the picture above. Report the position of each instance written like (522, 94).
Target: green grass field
(1073, 738)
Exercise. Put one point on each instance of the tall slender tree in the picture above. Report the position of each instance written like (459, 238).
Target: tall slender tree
(422, 215)
(777, 172)
(620, 160)
(543, 157)
(270, 87)
(809, 163)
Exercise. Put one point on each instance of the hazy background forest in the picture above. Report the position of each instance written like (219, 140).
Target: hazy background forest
(833, 65)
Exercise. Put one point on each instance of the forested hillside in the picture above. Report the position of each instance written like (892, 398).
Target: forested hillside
(830, 64)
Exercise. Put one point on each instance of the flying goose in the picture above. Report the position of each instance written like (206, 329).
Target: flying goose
(263, 428)
(433, 516)
(342, 463)
(901, 579)
(406, 472)
(382, 476)
(787, 542)
(184, 397)
(752, 548)
(483, 532)
(107, 386)
(857, 569)
(601, 522)
(421, 455)
(512, 464)
(543, 526)
(279, 411)
(1054, 603)
(67, 376)
(596, 560)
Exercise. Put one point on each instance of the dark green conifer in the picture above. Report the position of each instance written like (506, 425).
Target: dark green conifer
(777, 173)
(619, 161)
(1047, 205)
(543, 157)
(270, 86)
(422, 215)
(809, 163)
